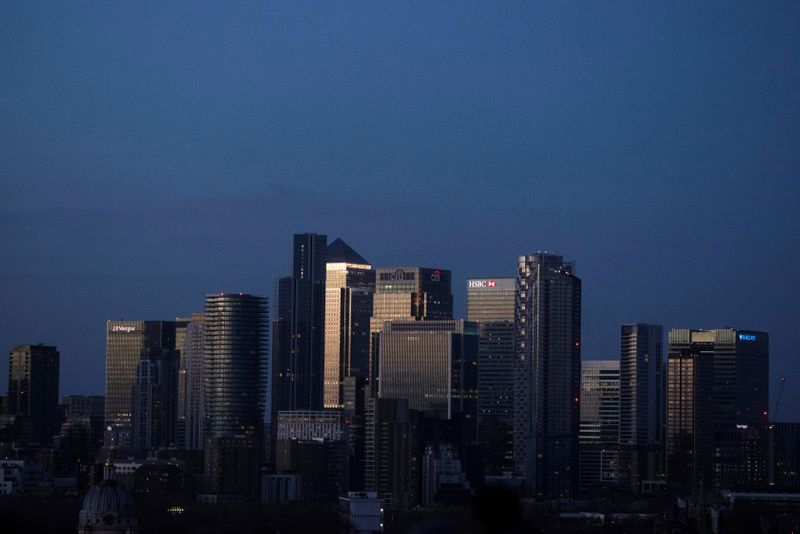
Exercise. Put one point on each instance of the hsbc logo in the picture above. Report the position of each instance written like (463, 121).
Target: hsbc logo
(482, 283)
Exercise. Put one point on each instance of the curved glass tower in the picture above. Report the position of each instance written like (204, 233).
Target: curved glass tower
(235, 364)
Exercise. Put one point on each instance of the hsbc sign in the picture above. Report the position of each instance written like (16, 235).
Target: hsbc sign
(482, 283)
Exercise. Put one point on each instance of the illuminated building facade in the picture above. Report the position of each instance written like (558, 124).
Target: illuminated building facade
(128, 342)
(349, 288)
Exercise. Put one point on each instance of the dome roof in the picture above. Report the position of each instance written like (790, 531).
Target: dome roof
(108, 496)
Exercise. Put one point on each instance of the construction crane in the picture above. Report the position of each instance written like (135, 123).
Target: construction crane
(778, 400)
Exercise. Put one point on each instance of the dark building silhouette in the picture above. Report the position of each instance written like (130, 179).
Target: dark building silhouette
(298, 349)
(235, 370)
(33, 373)
(642, 403)
(392, 452)
(547, 396)
(717, 383)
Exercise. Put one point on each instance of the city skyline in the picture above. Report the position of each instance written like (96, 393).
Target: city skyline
(145, 147)
(786, 412)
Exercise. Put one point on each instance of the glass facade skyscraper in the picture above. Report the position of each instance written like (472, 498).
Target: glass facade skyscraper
(491, 303)
(433, 364)
(642, 402)
(235, 364)
(599, 424)
(298, 349)
(547, 394)
(128, 342)
(716, 380)
(349, 289)
(407, 294)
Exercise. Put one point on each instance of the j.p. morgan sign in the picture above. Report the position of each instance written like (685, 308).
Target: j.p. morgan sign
(121, 328)
(482, 283)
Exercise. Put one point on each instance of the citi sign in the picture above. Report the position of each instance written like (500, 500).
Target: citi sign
(482, 283)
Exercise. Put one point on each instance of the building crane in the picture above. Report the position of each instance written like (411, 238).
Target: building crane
(778, 400)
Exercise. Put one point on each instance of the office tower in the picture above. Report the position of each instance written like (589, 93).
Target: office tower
(181, 325)
(392, 456)
(433, 364)
(599, 424)
(642, 403)
(298, 350)
(349, 287)
(235, 364)
(128, 342)
(155, 401)
(491, 303)
(547, 396)
(716, 380)
(193, 396)
(690, 385)
(33, 391)
(407, 294)
(235, 371)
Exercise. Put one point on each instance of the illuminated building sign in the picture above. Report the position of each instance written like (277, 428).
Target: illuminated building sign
(747, 337)
(436, 276)
(120, 328)
(482, 283)
(397, 276)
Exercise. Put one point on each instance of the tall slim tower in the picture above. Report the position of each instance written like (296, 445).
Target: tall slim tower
(128, 342)
(491, 302)
(349, 288)
(599, 426)
(547, 397)
(194, 397)
(298, 351)
(642, 402)
(235, 364)
(33, 372)
(235, 368)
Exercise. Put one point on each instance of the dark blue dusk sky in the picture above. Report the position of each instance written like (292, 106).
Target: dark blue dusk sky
(153, 152)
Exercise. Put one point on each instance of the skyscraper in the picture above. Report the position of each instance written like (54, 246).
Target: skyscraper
(547, 395)
(349, 288)
(599, 424)
(127, 342)
(298, 351)
(716, 380)
(407, 294)
(492, 303)
(642, 402)
(194, 398)
(235, 364)
(33, 372)
(432, 364)
(155, 401)
(235, 368)
(690, 385)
